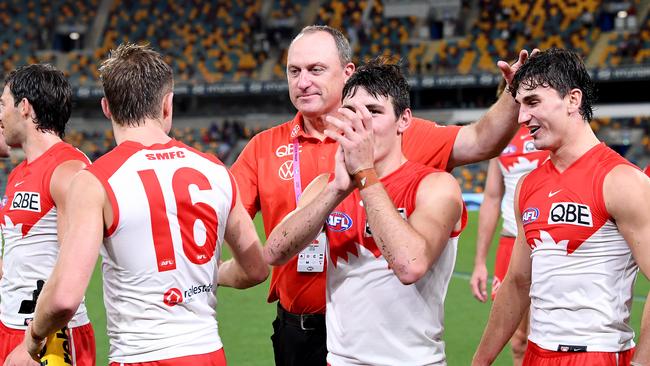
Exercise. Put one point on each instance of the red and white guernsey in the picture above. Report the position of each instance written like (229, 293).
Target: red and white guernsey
(372, 318)
(517, 159)
(170, 208)
(28, 220)
(582, 268)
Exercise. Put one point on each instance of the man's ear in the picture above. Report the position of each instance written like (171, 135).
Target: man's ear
(106, 109)
(574, 101)
(26, 109)
(404, 121)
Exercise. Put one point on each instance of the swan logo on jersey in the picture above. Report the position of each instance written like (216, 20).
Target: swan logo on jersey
(27, 201)
(173, 297)
(339, 221)
(570, 213)
(531, 214)
(529, 147)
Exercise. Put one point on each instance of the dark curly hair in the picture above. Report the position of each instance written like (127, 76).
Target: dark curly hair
(48, 92)
(378, 77)
(561, 70)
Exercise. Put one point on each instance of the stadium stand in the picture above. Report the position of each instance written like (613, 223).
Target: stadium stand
(228, 42)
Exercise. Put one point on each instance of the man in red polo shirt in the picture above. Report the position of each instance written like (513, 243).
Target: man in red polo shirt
(278, 164)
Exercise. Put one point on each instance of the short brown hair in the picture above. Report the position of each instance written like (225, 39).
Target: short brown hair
(135, 80)
(342, 44)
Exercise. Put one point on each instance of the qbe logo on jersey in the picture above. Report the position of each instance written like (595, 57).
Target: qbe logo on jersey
(26, 201)
(570, 213)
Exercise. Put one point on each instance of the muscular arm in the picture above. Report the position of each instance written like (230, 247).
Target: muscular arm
(512, 302)
(487, 137)
(301, 226)
(488, 216)
(411, 247)
(59, 185)
(246, 268)
(65, 288)
(627, 197)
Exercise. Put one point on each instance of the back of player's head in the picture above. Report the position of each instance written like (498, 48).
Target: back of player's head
(48, 92)
(560, 69)
(380, 78)
(342, 44)
(135, 80)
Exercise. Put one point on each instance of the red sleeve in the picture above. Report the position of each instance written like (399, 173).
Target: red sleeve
(428, 143)
(245, 172)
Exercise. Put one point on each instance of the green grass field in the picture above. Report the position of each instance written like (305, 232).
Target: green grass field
(245, 317)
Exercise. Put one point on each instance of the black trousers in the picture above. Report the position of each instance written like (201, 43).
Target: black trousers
(299, 340)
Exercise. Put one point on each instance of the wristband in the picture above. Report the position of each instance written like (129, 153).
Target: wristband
(365, 178)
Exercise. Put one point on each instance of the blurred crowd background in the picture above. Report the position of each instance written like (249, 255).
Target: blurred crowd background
(229, 58)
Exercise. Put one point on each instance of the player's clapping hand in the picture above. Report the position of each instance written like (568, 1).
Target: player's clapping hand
(356, 137)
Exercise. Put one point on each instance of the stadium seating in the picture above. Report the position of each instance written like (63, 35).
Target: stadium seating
(28, 28)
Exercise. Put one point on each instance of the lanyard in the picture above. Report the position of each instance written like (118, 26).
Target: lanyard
(297, 184)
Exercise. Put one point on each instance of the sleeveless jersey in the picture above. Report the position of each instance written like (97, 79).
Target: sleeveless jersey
(372, 318)
(28, 222)
(582, 268)
(517, 159)
(170, 207)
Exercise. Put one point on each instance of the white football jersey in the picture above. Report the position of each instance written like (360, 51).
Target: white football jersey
(29, 227)
(517, 159)
(583, 270)
(372, 318)
(170, 204)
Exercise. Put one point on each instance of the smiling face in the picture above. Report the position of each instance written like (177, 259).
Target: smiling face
(545, 113)
(315, 74)
(386, 127)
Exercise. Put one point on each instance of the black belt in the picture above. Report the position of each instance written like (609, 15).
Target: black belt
(302, 321)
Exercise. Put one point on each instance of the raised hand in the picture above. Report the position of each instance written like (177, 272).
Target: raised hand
(508, 71)
(356, 139)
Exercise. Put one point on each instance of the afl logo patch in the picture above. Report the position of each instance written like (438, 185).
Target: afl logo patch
(531, 214)
(338, 221)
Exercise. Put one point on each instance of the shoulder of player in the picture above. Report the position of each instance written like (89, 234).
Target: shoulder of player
(438, 184)
(625, 180)
(85, 184)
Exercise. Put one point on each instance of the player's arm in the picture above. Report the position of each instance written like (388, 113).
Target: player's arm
(246, 268)
(486, 138)
(513, 299)
(78, 254)
(411, 247)
(300, 227)
(488, 216)
(626, 191)
(59, 186)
